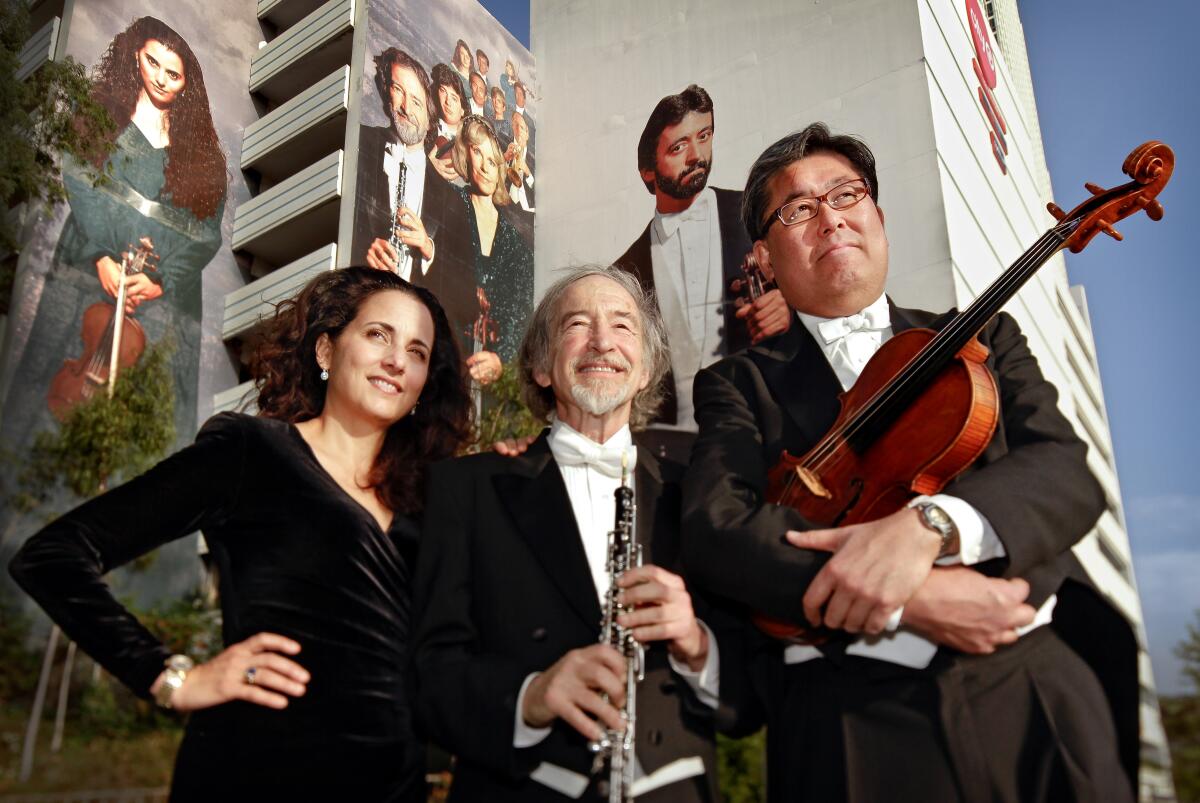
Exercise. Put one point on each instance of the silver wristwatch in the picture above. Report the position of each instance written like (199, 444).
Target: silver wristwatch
(172, 678)
(938, 520)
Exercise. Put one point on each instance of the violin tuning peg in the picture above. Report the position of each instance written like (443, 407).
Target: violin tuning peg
(1094, 189)
(1055, 210)
(1154, 210)
(1111, 232)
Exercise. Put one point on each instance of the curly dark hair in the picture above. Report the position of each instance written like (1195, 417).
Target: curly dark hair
(285, 369)
(444, 75)
(196, 176)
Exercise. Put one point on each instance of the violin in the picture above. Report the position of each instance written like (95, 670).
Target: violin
(753, 280)
(483, 333)
(111, 342)
(926, 406)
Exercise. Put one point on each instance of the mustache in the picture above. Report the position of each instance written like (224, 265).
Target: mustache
(609, 361)
(700, 165)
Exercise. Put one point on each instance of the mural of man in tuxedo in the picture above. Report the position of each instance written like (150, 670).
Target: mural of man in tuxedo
(690, 254)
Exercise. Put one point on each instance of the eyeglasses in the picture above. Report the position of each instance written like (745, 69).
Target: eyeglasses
(798, 210)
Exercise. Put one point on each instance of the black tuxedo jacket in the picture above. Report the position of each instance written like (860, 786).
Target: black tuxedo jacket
(1032, 483)
(443, 213)
(503, 589)
(735, 244)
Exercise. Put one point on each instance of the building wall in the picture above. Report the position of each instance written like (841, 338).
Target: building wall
(897, 73)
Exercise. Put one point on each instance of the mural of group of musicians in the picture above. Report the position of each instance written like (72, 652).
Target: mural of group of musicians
(446, 181)
(446, 191)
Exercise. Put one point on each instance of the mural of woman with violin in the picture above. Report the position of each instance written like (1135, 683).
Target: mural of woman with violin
(143, 223)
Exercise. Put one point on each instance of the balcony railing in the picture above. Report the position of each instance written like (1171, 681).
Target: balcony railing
(307, 127)
(240, 399)
(313, 47)
(294, 217)
(245, 307)
(38, 50)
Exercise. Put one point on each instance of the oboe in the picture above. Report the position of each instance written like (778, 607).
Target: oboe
(614, 748)
(394, 240)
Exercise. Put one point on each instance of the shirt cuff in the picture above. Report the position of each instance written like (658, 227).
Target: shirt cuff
(426, 264)
(526, 735)
(707, 682)
(977, 539)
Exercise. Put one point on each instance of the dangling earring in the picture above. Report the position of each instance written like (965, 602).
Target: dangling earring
(324, 374)
(413, 411)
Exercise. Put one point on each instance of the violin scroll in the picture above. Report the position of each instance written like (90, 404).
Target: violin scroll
(1149, 165)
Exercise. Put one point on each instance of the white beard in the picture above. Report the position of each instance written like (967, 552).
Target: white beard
(409, 132)
(602, 400)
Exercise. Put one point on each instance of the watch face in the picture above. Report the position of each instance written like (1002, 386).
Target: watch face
(937, 516)
(180, 662)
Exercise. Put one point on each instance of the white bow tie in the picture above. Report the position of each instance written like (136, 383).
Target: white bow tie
(570, 449)
(695, 212)
(866, 321)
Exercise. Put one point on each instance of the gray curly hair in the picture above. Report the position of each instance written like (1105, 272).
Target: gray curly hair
(537, 349)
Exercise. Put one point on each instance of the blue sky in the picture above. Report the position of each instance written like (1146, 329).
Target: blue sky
(1108, 76)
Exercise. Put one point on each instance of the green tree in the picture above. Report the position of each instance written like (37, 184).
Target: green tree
(104, 440)
(504, 414)
(48, 114)
(741, 765)
(1181, 720)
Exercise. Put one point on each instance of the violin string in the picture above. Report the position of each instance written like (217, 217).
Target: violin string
(969, 322)
(984, 307)
(97, 361)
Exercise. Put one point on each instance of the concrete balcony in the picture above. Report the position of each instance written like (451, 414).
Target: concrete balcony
(244, 308)
(240, 399)
(38, 50)
(283, 14)
(294, 217)
(296, 59)
(301, 131)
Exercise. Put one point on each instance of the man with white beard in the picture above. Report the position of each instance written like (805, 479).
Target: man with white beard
(428, 216)
(513, 572)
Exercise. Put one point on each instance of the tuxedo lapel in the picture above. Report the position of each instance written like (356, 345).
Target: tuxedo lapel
(801, 380)
(536, 498)
(735, 244)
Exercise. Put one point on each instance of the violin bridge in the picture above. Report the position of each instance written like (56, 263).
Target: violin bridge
(813, 483)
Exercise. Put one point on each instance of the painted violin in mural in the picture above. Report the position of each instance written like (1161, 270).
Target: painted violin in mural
(112, 341)
(926, 406)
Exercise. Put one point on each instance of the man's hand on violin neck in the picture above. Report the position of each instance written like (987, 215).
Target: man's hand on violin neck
(876, 568)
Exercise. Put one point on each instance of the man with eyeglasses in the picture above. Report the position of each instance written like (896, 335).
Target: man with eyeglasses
(974, 661)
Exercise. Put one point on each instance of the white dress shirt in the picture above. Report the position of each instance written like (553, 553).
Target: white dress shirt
(685, 253)
(848, 351)
(414, 190)
(592, 495)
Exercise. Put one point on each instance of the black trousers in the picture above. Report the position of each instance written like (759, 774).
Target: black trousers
(1029, 723)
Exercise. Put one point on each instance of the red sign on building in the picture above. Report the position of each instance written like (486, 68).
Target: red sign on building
(984, 65)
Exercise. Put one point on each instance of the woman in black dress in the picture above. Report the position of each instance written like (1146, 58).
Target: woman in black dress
(309, 510)
(503, 260)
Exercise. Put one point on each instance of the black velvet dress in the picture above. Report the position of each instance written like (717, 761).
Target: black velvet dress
(297, 556)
